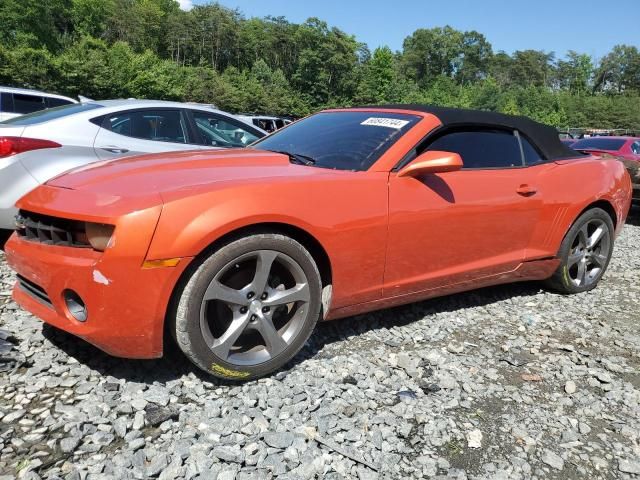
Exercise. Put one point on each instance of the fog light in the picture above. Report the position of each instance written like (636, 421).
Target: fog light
(76, 307)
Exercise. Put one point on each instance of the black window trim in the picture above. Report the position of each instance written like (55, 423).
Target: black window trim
(101, 121)
(48, 99)
(9, 99)
(43, 101)
(444, 130)
(227, 118)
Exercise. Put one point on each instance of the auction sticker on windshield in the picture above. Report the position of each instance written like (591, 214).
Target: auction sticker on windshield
(385, 122)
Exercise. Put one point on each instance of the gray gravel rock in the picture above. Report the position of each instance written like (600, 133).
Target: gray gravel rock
(155, 415)
(280, 440)
(629, 466)
(553, 460)
(69, 444)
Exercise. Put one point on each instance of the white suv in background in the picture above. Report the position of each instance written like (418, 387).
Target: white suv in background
(19, 101)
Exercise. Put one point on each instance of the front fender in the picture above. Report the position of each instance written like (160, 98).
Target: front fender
(346, 215)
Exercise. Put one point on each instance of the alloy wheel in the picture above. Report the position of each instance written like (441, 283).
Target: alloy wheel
(254, 307)
(589, 253)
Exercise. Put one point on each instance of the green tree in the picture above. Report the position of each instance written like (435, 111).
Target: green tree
(91, 17)
(531, 68)
(429, 53)
(213, 54)
(619, 71)
(35, 23)
(379, 79)
(574, 73)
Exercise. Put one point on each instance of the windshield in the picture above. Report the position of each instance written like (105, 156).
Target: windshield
(341, 140)
(51, 114)
(599, 143)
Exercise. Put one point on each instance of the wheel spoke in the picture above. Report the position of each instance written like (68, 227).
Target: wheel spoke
(218, 291)
(583, 235)
(272, 339)
(582, 273)
(299, 293)
(599, 259)
(222, 345)
(574, 258)
(595, 238)
(263, 268)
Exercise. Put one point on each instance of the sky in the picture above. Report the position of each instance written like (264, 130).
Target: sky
(586, 26)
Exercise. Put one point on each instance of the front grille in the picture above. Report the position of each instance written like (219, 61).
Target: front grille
(34, 290)
(39, 228)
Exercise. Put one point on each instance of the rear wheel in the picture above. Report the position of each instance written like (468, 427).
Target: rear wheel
(585, 253)
(249, 307)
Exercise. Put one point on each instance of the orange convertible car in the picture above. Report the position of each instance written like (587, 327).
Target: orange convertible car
(238, 253)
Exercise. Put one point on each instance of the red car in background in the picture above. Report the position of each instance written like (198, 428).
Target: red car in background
(624, 147)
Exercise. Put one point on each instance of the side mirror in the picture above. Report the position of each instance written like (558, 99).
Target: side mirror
(432, 162)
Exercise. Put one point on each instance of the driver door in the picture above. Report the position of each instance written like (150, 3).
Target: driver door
(452, 227)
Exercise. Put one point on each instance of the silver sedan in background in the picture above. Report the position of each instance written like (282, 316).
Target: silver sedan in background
(37, 147)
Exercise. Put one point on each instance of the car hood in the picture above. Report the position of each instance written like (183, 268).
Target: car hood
(174, 171)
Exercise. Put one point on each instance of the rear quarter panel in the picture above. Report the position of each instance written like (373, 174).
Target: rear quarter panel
(76, 137)
(568, 189)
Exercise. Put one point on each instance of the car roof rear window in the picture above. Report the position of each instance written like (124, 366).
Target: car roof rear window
(52, 114)
(599, 143)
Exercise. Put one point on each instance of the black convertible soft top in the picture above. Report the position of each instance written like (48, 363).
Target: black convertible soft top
(544, 137)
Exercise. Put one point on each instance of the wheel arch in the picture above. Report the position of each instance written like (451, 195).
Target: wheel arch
(307, 240)
(603, 204)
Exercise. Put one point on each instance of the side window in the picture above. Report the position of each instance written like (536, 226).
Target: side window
(27, 103)
(531, 155)
(154, 125)
(481, 148)
(265, 124)
(56, 102)
(635, 148)
(218, 131)
(6, 102)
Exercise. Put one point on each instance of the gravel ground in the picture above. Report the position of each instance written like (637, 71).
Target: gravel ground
(510, 382)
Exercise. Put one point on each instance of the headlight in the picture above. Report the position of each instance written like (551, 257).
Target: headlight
(36, 227)
(98, 235)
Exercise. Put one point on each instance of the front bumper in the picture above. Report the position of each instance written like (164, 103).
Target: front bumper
(126, 303)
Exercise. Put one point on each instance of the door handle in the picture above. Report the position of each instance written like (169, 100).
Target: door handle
(526, 190)
(115, 149)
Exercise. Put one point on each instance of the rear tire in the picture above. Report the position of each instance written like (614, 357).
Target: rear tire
(584, 253)
(249, 307)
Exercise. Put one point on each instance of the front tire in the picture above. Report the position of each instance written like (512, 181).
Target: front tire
(249, 307)
(584, 253)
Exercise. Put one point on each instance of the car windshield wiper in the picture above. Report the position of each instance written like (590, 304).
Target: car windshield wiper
(298, 158)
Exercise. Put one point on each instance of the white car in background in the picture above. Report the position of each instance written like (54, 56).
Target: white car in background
(37, 147)
(20, 101)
